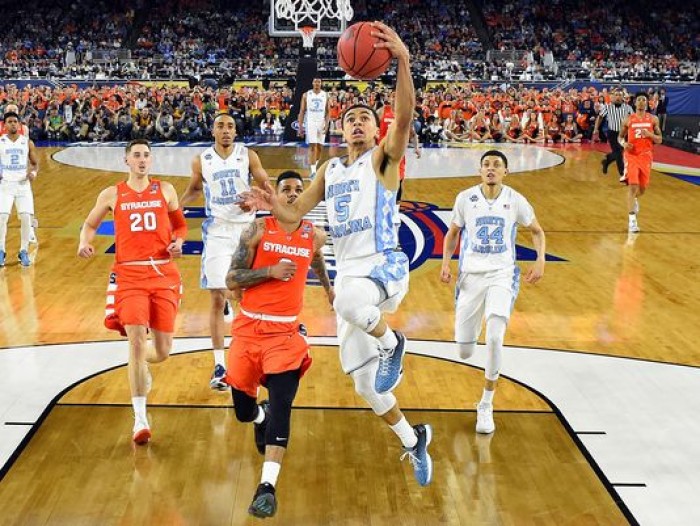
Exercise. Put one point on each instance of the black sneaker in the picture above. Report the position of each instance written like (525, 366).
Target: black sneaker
(261, 428)
(264, 502)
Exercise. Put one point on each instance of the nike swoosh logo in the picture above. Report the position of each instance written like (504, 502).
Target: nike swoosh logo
(123, 195)
(272, 231)
(279, 439)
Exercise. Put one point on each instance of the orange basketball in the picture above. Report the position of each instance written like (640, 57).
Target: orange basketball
(357, 55)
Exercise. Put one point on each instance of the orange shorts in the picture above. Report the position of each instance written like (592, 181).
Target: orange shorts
(259, 348)
(638, 169)
(146, 295)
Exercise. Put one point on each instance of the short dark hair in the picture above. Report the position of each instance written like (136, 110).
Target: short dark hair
(10, 114)
(223, 114)
(641, 94)
(289, 174)
(494, 153)
(136, 142)
(354, 107)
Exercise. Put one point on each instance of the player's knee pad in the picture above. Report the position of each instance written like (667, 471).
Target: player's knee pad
(495, 334)
(282, 388)
(353, 309)
(245, 406)
(364, 386)
(466, 350)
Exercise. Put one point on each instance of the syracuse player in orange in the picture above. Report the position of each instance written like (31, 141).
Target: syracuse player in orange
(638, 134)
(269, 345)
(149, 229)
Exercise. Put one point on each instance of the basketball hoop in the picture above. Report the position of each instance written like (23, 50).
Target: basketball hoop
(311, 17)
(307, 35)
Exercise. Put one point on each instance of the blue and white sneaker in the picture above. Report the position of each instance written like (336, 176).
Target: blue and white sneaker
(390, 368)
(2, 258)
(23, 257)
(418, 455)
(217, 378)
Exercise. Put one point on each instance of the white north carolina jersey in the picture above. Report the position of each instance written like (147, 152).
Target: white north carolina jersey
(361, 212)
(316, 106)
(224, 180)
(14, 157)
(489, 228)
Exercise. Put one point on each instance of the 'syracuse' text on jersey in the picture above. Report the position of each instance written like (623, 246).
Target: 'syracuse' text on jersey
(361, 211)
(274, 296)
(142, 229)
(14, 156)
(489, 228)
(224, 180)
(316, 106)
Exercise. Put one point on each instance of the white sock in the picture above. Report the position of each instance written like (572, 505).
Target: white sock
(388, 339)
(270, 472)
(261, 416)
(405, 433)
(139, 405)
(487, 397)
(220, 357)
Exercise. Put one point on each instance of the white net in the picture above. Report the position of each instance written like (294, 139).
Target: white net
(305, 12)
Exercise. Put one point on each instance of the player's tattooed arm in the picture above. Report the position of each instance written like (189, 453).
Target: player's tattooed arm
(240, 275)
(318, 264)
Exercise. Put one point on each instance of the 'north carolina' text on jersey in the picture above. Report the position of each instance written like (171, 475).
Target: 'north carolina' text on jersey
(361, 211)
(489, 228)
(14, 156)
(224, 180)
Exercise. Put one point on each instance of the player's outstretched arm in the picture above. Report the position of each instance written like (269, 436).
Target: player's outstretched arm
(394, 144)
(265, 198)
(538, 240)
(256, 168)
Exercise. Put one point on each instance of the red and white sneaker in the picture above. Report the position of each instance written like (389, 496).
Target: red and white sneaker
(142, 432)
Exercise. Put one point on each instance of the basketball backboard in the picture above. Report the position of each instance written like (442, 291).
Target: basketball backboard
(328, 17)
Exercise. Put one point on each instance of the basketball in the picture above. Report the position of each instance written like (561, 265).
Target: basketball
(357, 55)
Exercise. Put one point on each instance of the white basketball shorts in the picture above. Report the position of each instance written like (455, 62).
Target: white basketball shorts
(18, 193)
(482, 295)
(220, 244)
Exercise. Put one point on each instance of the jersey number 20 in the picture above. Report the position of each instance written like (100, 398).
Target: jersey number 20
(139, 222)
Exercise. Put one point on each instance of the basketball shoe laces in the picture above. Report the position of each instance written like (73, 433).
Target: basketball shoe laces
(412, 457)
(384, 360)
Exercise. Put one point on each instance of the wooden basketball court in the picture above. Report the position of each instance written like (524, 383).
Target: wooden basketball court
(613, 295)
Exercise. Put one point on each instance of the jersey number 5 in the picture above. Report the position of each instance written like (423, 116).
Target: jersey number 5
(139, 222)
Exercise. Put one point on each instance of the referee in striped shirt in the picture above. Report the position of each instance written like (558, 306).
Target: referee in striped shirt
(616, 112)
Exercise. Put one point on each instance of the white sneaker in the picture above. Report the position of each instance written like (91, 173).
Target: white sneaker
(633, 226)
(142, 431)
(484, 419)
(636, 206)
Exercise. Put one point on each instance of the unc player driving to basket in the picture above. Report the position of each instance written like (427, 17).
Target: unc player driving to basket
(372, 275)
(487, 217)
(222, 172)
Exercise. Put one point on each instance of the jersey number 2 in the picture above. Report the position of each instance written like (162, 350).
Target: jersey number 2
(139, 222)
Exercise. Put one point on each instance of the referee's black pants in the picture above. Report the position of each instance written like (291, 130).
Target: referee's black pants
(615, 156)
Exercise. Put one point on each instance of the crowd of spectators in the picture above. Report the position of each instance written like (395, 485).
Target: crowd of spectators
(599, 39)
(445, 113)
